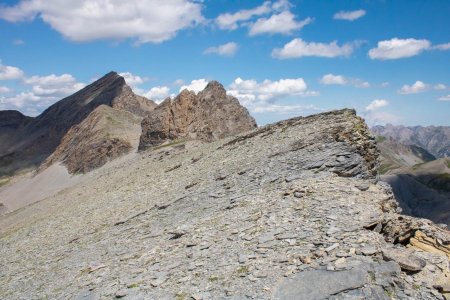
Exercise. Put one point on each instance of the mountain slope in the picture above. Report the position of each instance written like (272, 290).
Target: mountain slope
(209, 115)
(434, 139)
(395, 156)
(39, 137)
(281, 211)
(105, 134)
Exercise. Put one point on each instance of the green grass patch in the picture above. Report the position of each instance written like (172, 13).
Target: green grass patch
(448, 163)
(384, 168)
(380, 139)
(242, 270)
(174, 143)
(4, 181)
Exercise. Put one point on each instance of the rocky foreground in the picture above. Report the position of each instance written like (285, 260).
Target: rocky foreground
(287, 211)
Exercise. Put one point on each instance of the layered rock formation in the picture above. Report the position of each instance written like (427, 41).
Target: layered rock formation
(286, 211)
(208, 115)
(33, 142)
(434, 139)
(107, 133)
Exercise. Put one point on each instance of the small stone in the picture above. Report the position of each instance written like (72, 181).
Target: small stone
(121, 293)
(368, 250)
(362, 186)
(332, 247)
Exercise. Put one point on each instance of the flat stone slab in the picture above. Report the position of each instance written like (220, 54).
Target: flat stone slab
(406, 259)
(319, 284)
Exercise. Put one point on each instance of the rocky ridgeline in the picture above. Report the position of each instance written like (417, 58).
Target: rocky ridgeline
(34, 139)
(209, 115)
(291, 210)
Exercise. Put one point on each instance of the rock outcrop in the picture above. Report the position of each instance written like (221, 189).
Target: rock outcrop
(40, 136)
(105, 134)
(286, 211)
(209, 115)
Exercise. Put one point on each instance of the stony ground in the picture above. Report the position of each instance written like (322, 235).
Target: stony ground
(289, 211)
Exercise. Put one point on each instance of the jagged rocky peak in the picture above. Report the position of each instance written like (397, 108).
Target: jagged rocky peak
(209, 115)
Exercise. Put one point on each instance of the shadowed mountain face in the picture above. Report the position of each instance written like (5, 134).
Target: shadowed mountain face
(34, 139)
(424, 190)
(434, 139)
(420, 182)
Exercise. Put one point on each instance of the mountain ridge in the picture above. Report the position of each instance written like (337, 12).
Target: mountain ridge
(288, 210)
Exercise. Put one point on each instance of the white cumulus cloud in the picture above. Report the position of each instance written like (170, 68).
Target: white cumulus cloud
(132, 79)
(417, 87)
(398, 48)
(349, 15)
(158, 93)
(283, 23)
(299, 48)
(333, 79)
(53, 85)
(10, 72)
(268, 90)
(196, 85)
(228, 49)
(376, 104)
(146, 21)
(5, 90)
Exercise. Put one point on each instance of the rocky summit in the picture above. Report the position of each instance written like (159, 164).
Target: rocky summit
(209, 115)
(32, 140)
(291, 210)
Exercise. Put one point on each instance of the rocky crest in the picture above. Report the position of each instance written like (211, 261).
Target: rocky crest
(105, 134)
(39, 137)
(209, 115)
(286, 211)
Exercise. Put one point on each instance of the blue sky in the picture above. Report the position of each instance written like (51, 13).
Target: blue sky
(390, 60)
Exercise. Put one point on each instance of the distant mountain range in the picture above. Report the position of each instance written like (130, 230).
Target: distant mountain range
(434, 139)
(103, 121)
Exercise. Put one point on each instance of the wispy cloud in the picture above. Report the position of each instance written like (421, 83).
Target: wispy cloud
(299, 48)
(331, 79)
(228, 49)
(349, 15)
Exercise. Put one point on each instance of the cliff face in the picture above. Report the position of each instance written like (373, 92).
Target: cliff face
(39, 137)
(207, 116)
(290, 210)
